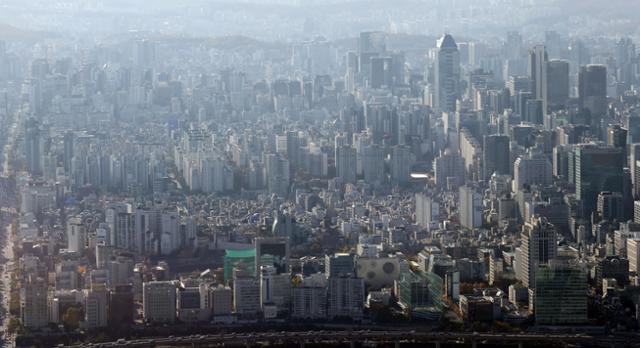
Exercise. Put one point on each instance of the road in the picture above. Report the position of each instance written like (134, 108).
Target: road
(7, 256)
(8, 209)
(376, 337)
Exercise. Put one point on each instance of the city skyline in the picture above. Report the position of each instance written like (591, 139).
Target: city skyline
(305, 172)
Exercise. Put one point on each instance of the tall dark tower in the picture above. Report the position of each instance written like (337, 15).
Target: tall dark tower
(557, 83)
(69, 139)
(538, 59)
(592, 92)
(447, 75)
(34, 146)
(496, 156)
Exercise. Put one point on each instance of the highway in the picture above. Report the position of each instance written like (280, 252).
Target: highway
(8, 210)
(396, 338)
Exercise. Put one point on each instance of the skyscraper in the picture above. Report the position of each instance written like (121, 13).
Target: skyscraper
(293, 148)
(373, 164)
(120, 219)
(560, 294)
(76, 235)
(272, 252)
(346, 164)
(381, 122)
(617, 137)
(532, 169)
(557, 83)
(69, 139)
(634, 156)
(144, 53)
(592, 92)
(447, 75)
(401, 162)
(633, 254)
(610, 206)
(121, 305)
(34, 146)
(96, 306)
(626, 61)
(381, 72)
(372, 42)
(449, 170)
(351, 62)
(495, 156)
(33, 303)
(470, 207)
(597, 168)
(275, 288)
(309, 298)
(398, 60)
(539, 245)
(346, 297)
(632, 124)
(220, 300)
(427, 209)
(159, 301)
(538, 72)
(513, 45)
(246, 294)
(612, 267)
(339, 264)
(277, 174)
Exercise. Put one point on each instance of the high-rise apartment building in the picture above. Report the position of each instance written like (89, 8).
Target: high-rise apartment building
(633, 254)
(470, 207)
(96, 307)
(373, 164)
(76, 235)
(401, 162)
(346, 297)
(346, 164)
(449, 170)
(427, 209)
(309, 298)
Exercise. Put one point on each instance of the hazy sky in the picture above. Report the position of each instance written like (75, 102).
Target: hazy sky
(284, 20)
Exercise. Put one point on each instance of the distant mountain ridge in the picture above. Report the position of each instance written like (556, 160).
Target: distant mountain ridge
(11, 33)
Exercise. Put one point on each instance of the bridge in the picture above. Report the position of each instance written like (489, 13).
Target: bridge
(395, 339)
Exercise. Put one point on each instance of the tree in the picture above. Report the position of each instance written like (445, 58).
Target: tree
(15, 326)
(72, 317)
(14, 299)
(501, 326)
(468, 288)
